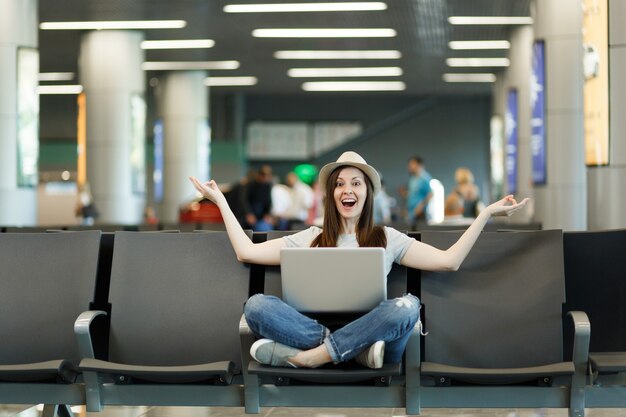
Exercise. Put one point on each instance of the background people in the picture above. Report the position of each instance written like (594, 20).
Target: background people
(260, 201)
(85, 210)
(418, 191)
(467, 192)
(302, 199)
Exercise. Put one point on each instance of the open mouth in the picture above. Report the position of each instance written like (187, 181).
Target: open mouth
(348, 202)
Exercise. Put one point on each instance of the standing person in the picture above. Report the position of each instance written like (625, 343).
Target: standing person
(237, 198)
(418, 191)
(301, 199)
(468, 192)
(382, 206)
(291, 339)
(260, 200)
(85, 209)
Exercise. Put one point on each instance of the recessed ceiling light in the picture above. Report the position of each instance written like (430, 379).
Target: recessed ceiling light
(192, 65)
(469, 78)
(121, 24)
(324, 33)
(458, 45)
(345, 72)
(477, 62)
(490, 20)
(60, 89)
(56, 76)
(230, 81)
(338, 54)
(339, 6)
(354, 86)
(179, 44)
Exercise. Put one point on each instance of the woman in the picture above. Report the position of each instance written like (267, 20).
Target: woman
(291, 339)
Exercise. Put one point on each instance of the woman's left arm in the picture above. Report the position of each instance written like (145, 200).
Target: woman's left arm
(426, 257)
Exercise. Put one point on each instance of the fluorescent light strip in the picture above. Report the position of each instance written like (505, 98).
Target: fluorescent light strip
(477, 62)
(345, 72)
(56, 76)
(59, 89)
(469, 78)
(354, 86)
(490, 20)
(305, 7)
(179, 44)
(338, 54)
(462, 45)
(324, 33)
(230, 81)
(121, 24)
(193, 65)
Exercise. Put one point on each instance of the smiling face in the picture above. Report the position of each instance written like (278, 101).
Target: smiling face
(350, 193)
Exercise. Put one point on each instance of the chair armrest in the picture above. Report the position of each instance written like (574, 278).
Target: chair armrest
(413, 351)
(582, 339)
(83, 335)
(244, 329)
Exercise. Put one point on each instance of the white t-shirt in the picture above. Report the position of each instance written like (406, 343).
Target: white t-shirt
(397, 243)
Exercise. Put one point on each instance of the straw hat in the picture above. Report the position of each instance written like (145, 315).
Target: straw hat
(352, 159)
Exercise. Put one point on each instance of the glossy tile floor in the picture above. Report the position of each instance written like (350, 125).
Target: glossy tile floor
(30, 411)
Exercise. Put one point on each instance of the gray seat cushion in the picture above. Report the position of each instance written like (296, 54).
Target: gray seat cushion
(608, 362)
(53, 371)
(497, 375)
(221, 372)
(327, 375)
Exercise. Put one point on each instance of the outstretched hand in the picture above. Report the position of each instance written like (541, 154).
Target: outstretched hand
(507, 206)
(208, 189)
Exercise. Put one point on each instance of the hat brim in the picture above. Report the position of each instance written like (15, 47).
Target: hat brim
(371, 173)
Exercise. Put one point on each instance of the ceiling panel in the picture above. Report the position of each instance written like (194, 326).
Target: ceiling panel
(423, 34)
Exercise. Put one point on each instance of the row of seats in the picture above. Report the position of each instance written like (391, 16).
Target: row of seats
(190, 227)
(156, 319)
(182, 227)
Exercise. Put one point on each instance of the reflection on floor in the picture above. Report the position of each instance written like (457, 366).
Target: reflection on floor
(35, 411)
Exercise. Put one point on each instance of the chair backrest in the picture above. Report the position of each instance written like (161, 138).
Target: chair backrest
(595, 271)
(503, 308)
(176, 299)
(46, 281)
(396, 280)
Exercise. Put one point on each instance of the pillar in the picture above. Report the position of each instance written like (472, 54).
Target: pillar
(19, 112)
(607, 198)
(562, 202)
(517, 76)
(183, 106)
(114, 86)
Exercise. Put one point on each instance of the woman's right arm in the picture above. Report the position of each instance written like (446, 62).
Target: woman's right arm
(266, 253)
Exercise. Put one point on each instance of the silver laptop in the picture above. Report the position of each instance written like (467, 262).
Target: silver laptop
(333, 279)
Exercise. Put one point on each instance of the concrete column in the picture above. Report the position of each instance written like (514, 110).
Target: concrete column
(606, 184)
(183, 103)
(114, 86)
(562, 202)
(518, 76)
(498, 106)
(18, 37)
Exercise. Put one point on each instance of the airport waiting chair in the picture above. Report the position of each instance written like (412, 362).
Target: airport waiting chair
(176, 300)
(494, 327)
(272, 386)
(46, 281)
(595, 267)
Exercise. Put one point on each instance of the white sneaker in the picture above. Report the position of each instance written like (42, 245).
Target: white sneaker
(373, 356)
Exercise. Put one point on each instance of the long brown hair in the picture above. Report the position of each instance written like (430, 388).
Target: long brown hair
(367, 235)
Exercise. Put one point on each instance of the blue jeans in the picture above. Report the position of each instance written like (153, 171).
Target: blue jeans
(391, 321)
